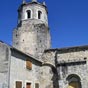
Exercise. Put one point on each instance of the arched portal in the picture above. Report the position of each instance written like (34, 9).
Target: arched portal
(74, 81)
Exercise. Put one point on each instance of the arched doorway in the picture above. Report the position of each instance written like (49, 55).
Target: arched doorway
(74, 81)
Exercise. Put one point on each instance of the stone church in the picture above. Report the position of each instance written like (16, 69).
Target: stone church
(31, 63)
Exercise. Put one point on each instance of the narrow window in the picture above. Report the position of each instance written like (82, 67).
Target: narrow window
(17, 43)
(36, 49)
(28, 64)
(36, 85)
(16, 35)
(40, 41)
(18, 84)
(39, 14)
(28, 13)
(28, 85)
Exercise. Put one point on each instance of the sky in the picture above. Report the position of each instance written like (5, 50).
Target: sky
(68, 21)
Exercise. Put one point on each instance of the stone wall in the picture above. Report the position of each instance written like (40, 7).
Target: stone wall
(34, 8)
(32, 38)
(68, 62)
(4, 65)
(73, 63)
(50, 69)
(19, 72)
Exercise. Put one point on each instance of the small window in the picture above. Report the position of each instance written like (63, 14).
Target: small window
(28, 64)
(17, 43)
(16, 35)
(39, 14)
(28, 13)
(36, 85)
(28, 85)
(18, 84)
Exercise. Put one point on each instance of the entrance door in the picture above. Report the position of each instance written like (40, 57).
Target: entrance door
(73, 85)
(28, 85)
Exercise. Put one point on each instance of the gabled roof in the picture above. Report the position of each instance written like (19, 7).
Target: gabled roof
(28, 55)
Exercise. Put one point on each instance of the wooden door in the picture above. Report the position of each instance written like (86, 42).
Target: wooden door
(73, 85)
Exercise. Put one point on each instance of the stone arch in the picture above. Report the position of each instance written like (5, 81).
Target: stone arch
(74, 81)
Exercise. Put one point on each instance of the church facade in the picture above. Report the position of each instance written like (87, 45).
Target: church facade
(31, 63)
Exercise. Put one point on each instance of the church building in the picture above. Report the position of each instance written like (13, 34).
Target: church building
(31, 62)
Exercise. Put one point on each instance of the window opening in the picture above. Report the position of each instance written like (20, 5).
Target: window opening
(16, 35)
(36, 85)
(39, 14)
(18, 84)
(28, 13)
(28, 85)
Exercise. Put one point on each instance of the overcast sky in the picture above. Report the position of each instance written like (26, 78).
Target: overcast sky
(68, 21)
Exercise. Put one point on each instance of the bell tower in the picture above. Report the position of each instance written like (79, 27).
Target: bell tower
(32, 33)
